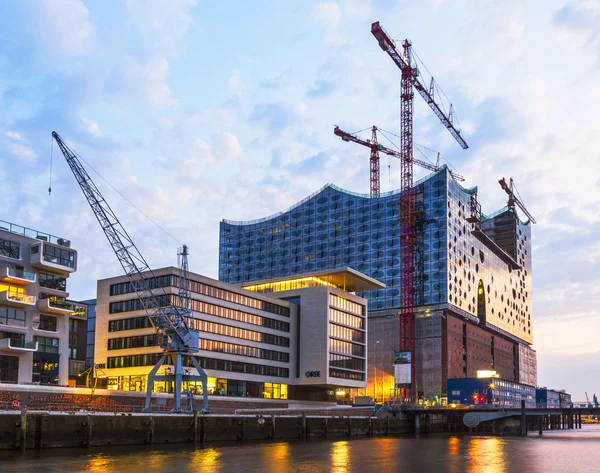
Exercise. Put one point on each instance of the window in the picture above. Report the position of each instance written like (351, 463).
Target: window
(52, 282)
(133, 342)
(129, 324)
(46, 344)
(243, 350)
(59, 256)
(13, 317)
(275, 391)
(334, 373)
(10, 249)
(47, 322)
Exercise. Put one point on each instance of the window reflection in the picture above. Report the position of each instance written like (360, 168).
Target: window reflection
(340, 457)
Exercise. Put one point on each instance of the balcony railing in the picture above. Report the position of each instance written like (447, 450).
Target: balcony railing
(18, 297)
(30, 233)
(21, 274)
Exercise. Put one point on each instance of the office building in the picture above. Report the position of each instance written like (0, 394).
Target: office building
(35, 315)
(280, 339)
(490, 391)
(472, 281)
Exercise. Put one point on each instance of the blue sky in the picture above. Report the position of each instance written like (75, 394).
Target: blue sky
(199, 111)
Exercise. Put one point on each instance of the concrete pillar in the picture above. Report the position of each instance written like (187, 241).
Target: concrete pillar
(579, 420)
(523, 420)
(63, 349)
(25, 367)
(540, 422)
(417, 423)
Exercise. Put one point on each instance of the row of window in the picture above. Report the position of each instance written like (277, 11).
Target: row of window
(237, 332)
(216, 310)
(10, 249)
(205, 289)
(346, 333)
(334, 373)
(346, 348)
(133, 342)
(13, 317)
(56, 255)
(135, 304)
(344, 318)
(151, 359)
(243, 350)
(153, 283)
(345, 304)
(346, 362)
(129, 324)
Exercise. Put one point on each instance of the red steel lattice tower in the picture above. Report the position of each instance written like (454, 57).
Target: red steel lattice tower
(410, 80)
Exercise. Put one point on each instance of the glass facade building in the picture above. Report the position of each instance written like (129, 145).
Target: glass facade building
(478, 273)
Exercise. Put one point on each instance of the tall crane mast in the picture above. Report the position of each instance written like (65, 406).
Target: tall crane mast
(410, 81)
(513, 200)
(375, 147)
(174, 325)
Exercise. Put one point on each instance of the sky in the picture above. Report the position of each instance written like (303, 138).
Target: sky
(198, 111)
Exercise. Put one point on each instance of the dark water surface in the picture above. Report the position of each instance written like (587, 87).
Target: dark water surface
(554, 452)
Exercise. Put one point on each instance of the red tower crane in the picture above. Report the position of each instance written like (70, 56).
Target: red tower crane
(375, 147)
(409, 80)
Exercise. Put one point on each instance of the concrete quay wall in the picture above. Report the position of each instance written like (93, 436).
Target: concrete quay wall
(41, 430)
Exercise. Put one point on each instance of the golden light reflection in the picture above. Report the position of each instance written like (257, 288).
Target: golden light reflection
(453, 445)
(276, 456)
(100, 464)
(486, 455)
(206, 460)
(340, 457)
(156, 461)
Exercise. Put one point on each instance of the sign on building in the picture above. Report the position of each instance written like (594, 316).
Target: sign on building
(402, 368)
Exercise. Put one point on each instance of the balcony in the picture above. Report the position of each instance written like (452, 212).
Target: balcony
(30, 233)
(15, 299)
(16, 276)
(55, 307)
(17, 346)
(53, 258)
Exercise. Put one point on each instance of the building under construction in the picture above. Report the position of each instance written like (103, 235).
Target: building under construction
(471, 278)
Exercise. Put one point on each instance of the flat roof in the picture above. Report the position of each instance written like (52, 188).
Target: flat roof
(33, 234)
(347, 279)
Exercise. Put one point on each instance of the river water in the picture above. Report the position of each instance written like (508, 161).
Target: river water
(555, 452)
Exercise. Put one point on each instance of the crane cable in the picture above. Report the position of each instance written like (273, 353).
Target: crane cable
(112, 187)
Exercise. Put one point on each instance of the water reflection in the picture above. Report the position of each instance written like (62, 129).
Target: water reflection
(100, 463)
(486, 455)
(205, 460)
(453, 445)
(276, 457)
(340, 457)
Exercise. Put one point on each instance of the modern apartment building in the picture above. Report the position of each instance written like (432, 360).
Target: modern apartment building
(35, 315)
(307, 342)
(472, 282)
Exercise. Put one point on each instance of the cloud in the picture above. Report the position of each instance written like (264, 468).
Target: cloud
(196, 160)
(67, 24)
(277, 116)
(24, 153)
(581, 19)
(321, 88)
(226, 146)
(329, 13)
(278, 81)
(13, 135)
(162, 25)
(234, 80)
(150, 80)
(91, 127)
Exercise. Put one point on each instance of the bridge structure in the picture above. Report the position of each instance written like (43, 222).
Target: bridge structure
(530, 418)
